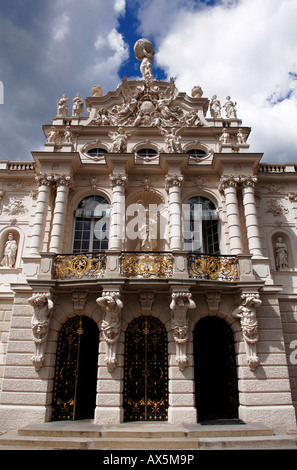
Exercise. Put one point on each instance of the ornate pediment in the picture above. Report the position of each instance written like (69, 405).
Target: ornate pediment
(147, 102)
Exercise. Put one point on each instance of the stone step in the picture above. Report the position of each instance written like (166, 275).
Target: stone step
(82, 435)
(210, 443)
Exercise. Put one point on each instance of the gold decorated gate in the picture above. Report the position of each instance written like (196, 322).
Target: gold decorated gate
(74, 393)
(146, 371)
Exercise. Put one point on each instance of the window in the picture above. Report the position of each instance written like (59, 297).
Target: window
(91, 225)
(196, 153)
(147, 153)
(96, 152)
(200, 224)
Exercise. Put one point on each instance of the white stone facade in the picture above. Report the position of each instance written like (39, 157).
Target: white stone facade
(158, 149)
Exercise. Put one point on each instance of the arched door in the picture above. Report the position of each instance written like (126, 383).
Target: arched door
(216, 386)
(146, 371)
(74, 394)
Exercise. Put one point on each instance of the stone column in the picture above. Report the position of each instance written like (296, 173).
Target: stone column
(60, 211)
(173, 186)
(44, 181)
(250, 213)
(228, 185)
(117, 218)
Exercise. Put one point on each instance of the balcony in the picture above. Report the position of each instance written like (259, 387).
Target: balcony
(80, 266)
(213, 267)
(145, 265)
(150, 265)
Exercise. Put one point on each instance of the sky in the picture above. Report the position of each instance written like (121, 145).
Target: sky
(246, 49)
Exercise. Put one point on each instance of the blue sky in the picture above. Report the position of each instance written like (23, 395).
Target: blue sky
(242, 48)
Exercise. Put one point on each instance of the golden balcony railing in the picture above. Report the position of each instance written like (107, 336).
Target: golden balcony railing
(144, 265)
(78, 266)
(213, 267)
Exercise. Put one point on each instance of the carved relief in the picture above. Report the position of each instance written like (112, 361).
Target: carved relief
(111, 325)
(43, 307)
(180, 304)
(246, 312)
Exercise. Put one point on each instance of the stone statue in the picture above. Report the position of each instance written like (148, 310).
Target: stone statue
(246, 312)
(10, 251)
(172, 139)
(241, 137)
(197, 92)
(62, 106)
(97, 91)
(180, 303)
(224, 137)
(67, 135)
(119, 140)
(144, 52)
(111, 325)
(215, 107)
(230, 108)
(43, 307)
(147, 231)
(53, 135)
(281, 254)
(78, 105)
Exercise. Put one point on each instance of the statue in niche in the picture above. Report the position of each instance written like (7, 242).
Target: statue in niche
(246, 312)
(215, 107)
(181, 302)
(10, 251)
(281, 254)
(148, 229)
(62, 106)
(230, 108)
(111, 325)
(43, 307)
(78, 105)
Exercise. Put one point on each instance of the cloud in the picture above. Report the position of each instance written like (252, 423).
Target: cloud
(246, 49)
(51, 49)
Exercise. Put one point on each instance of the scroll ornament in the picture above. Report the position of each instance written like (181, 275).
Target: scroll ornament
(180, 303)
(111, 325)
(246, 312)
(43, 307)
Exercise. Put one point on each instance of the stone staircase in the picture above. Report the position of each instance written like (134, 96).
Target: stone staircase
(84, 435)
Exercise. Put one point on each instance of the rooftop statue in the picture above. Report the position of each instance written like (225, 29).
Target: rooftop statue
(144, 51)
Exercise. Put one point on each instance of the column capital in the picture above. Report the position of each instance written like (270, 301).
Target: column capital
(248, 181)
(118, 179)
(44, 179)
(62, 180)
(173, 180)
(230, 181)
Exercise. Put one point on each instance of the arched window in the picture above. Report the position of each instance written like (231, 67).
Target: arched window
(96, 152)
(91, 225)
(200, 225)
(197, 153)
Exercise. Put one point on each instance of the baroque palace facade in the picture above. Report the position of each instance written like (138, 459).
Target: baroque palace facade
(148, 265)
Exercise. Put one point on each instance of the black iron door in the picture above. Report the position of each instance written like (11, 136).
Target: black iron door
(146, 371)
(74, 393)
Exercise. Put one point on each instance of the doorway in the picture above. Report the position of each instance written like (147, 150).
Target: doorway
(74, 394)
(146, 371)
(216, 387)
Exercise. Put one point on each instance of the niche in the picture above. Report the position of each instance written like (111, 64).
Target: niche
(9, 243)
(282, 251)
